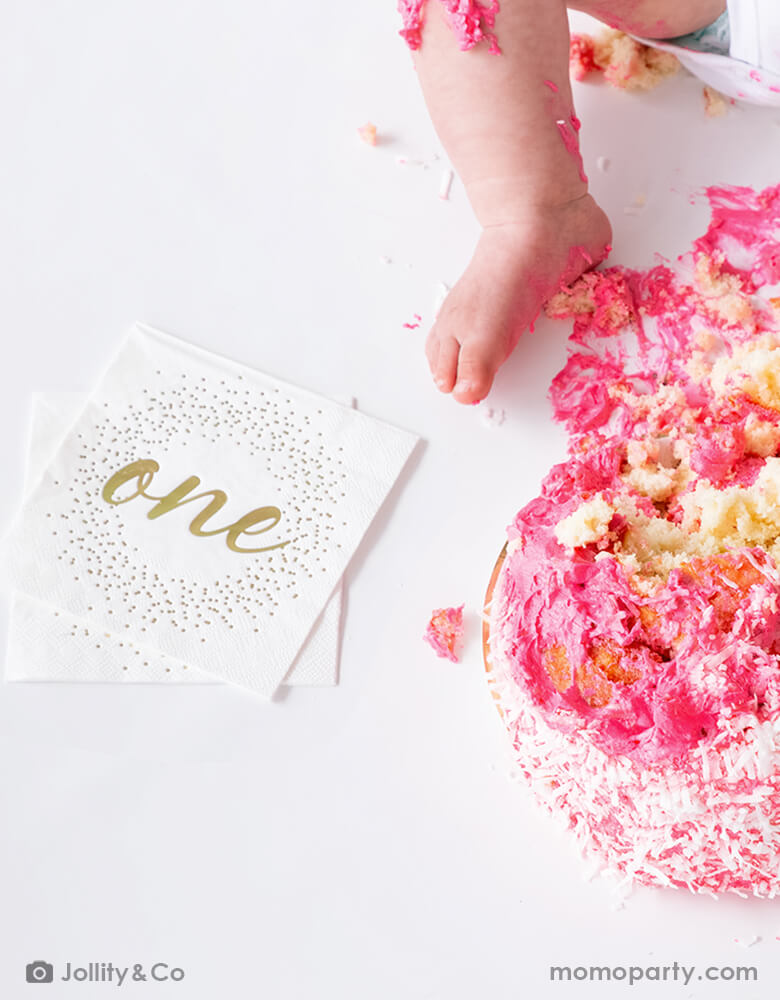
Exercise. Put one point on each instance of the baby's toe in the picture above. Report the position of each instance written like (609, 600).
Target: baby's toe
(432, 349)
(444, 364)
(478, 363)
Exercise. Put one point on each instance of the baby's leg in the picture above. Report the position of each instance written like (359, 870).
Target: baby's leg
(508, 124)
(653, 18)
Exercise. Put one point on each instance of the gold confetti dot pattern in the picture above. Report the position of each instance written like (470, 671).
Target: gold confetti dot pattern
(263, 427)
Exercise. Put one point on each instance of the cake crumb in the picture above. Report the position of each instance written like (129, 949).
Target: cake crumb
(587, 524)
(724, 293)
(629, 65)
(636, 206)
(444, 633)
(624, 62)
(761, 437)
(492, 417)
(367, 133)
(715, 104)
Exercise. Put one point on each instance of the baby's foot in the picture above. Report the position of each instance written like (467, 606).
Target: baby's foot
(516, 267)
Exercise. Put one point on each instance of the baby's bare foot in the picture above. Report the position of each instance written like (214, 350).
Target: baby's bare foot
(516, 267)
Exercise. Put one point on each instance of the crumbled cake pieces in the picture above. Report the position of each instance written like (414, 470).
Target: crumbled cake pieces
(634, 640)
(444, 633)
(622, 60)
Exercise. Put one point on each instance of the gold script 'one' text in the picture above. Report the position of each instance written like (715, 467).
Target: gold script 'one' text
(142, 472)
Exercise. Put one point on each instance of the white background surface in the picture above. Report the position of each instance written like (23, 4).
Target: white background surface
(196, 166)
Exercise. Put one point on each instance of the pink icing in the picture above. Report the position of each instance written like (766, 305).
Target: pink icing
(747, 221)
(582, 60)
(470, 20)
(568, 131)
(716, 451)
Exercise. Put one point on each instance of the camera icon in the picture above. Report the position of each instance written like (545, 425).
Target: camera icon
(39, 972)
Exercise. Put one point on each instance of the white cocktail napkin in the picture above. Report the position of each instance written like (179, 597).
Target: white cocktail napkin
(202, 510)
(48, 645)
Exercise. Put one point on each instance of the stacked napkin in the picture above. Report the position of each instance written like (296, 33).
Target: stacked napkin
(191, 521)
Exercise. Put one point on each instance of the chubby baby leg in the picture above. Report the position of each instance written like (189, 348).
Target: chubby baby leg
(653, 18)
(508, 123)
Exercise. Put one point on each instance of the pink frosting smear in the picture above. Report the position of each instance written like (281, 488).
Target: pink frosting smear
(582, 56)
(445, 632)
(471, 22)
(568, 131)
(655, 703)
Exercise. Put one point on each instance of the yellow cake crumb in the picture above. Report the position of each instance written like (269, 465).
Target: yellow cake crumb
(588, 523)
(761, 437)
(714, 520)
(653, 481)
(752, 368)
(715, 104)
(628, 64)
(722, 293)
(737, 515)
(649, 539)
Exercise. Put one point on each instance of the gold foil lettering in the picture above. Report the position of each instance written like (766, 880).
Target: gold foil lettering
(143, 472)
(176, 498)
(241, 527)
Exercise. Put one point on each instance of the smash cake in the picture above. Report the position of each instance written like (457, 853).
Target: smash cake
(632, 624)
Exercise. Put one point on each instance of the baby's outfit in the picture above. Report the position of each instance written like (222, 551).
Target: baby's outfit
(738, 54)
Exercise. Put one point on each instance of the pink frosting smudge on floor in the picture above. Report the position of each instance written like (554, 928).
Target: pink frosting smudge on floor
(416, 320)
(470, 20)
(445, 632)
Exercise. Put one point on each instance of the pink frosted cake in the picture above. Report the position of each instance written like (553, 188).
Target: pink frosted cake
(633, 621)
